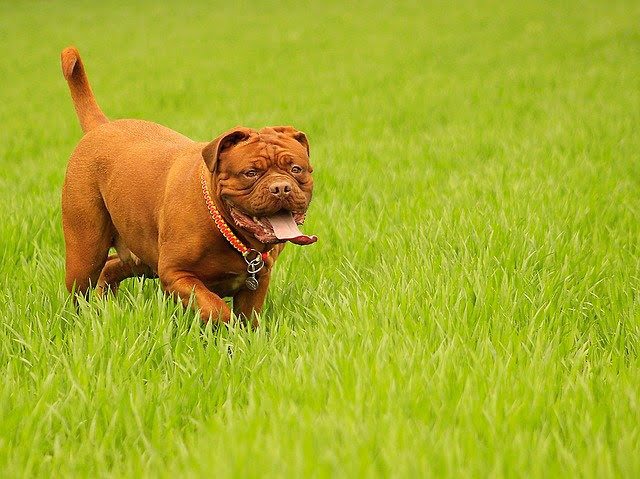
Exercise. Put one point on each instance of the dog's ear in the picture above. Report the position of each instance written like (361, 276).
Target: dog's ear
(297, 135)
(211, 153)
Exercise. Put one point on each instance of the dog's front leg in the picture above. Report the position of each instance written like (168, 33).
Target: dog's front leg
(183, 285)
(247, 304)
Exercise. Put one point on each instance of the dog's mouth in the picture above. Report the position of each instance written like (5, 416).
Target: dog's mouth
(276, 228)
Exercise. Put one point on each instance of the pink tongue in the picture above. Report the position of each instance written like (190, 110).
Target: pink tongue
(285, 228)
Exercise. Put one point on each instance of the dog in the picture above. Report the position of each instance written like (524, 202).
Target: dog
(208, 219)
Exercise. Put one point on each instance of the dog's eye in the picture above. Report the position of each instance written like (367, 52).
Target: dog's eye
(295, 169)
(251, 173)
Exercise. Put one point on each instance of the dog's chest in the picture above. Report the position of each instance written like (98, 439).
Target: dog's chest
(228, 284)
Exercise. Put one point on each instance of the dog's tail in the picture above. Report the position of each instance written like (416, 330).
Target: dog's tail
(89, 113)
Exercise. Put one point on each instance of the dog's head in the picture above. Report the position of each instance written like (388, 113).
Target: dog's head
(263, 178)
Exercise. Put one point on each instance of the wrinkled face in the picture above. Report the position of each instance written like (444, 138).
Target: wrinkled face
(265, 182)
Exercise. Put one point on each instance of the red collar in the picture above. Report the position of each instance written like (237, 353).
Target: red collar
(221, 224)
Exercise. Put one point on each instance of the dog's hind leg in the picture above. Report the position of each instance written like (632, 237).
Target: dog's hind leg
(116, 270)
(88, 235)
(84, 261)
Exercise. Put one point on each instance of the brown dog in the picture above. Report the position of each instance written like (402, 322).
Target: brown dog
(209, 219)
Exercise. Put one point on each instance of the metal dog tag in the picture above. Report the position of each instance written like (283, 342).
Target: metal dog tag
(251, 282)
(253, 266)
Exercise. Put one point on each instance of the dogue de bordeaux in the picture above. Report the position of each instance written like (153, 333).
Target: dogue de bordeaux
(207, 218)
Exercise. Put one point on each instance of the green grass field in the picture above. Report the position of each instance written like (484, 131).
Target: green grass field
(471, 309)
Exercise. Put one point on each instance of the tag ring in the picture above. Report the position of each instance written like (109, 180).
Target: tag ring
(253, 265)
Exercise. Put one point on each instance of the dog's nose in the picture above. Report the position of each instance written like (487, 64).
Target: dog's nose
(280, 189)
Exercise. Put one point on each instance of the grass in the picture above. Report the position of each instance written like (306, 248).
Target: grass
(472, 307)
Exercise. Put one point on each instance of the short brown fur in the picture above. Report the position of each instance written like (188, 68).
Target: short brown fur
(134, 185)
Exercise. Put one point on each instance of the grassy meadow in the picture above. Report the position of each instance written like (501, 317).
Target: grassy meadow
(472, 306)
